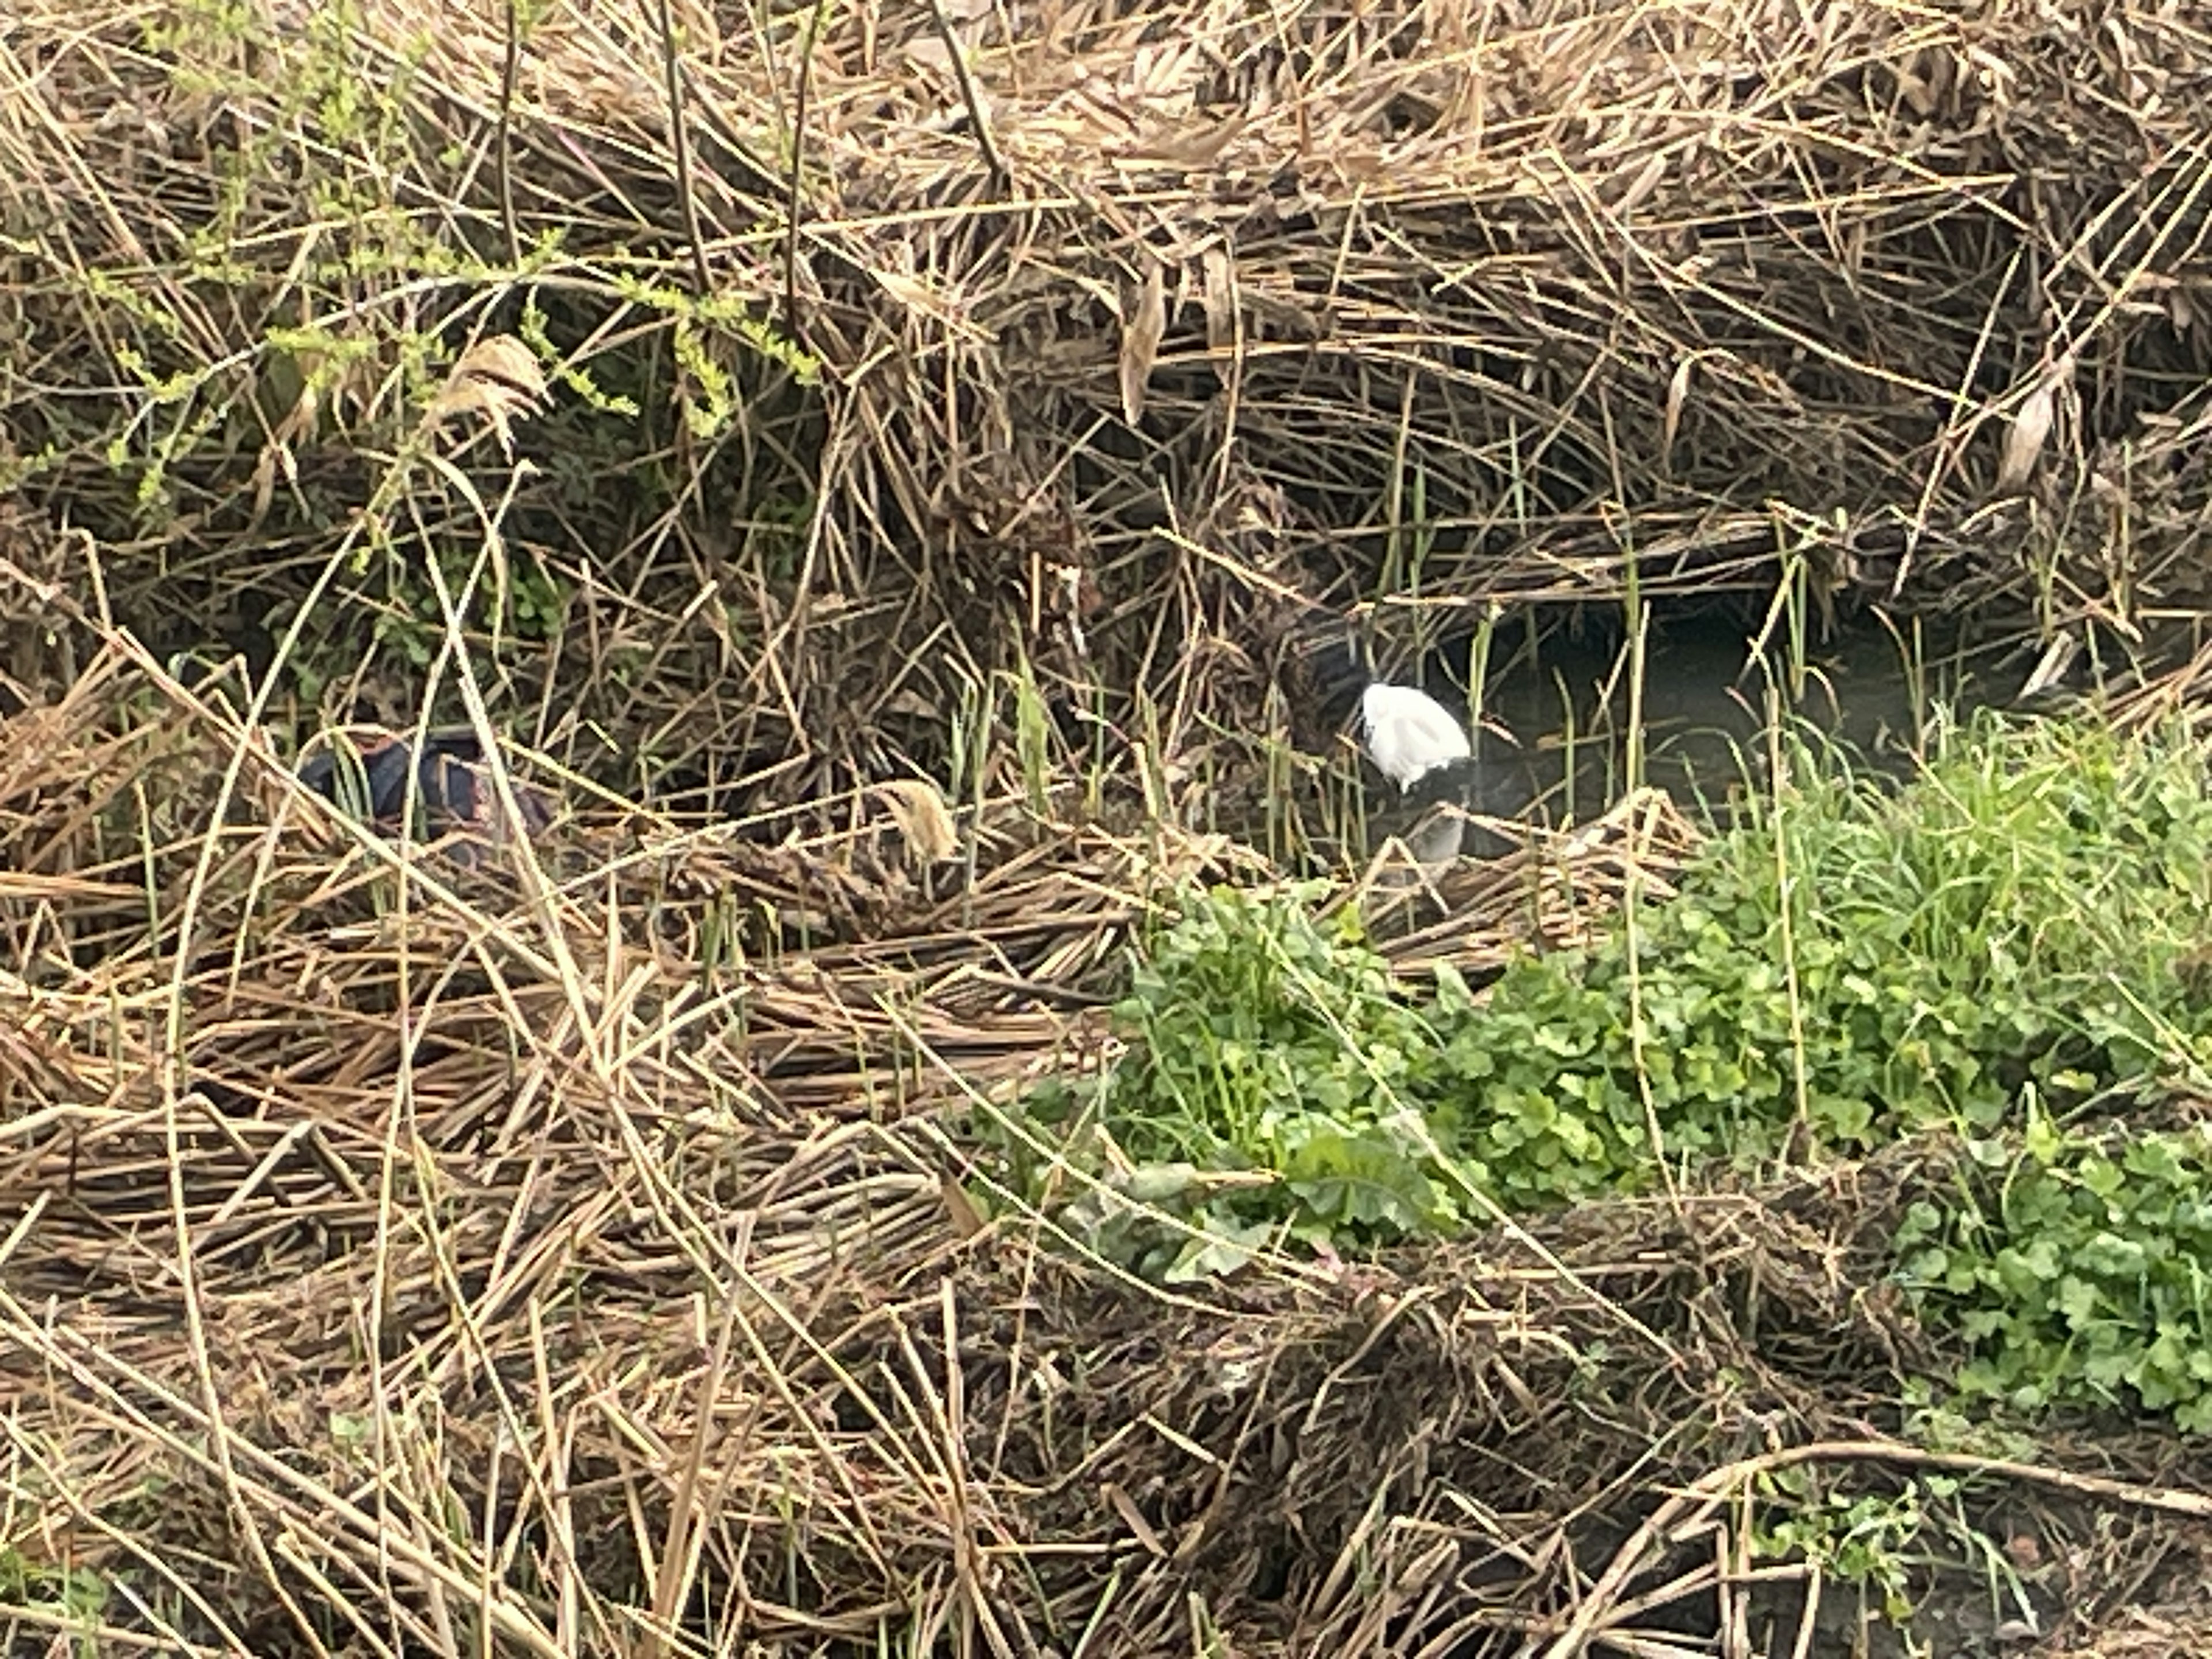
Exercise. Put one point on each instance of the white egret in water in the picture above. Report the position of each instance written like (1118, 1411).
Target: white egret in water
(1410, 734)
(1421, 746)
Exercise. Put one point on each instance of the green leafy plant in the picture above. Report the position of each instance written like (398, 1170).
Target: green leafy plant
(1265, 1090)
(1864, 965)
(2079, 1269)
(1892, 1545)
(76, 1594)
(1861, 1540)
(1845, 966)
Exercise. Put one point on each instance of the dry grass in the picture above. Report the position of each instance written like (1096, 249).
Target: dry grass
(1110, 345)
(437, 1245)
(570, 1255)
(403, 1256)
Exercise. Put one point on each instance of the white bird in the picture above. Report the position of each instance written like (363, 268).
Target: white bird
(1410, 734)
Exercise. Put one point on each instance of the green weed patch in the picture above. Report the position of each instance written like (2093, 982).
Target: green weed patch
(2079, 1269)
(2010, 934)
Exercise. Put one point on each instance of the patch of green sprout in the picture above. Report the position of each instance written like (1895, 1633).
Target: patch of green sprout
(2007, 935)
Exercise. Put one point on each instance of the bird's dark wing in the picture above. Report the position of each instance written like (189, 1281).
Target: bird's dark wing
(454, 790)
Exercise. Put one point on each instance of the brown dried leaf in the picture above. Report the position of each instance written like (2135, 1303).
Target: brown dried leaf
(1133, 1518)
(960, 1211)
(2050, 668)
(923, 819)
(2030, 429)
(1678, 393)
(1220, 278)
(499, 379)
(1178, 143)
(1141, 334)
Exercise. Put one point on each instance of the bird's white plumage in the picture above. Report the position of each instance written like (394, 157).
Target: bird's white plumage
(1410, 734)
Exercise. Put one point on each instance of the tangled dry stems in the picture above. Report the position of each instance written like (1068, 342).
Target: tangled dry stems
(1139, 339)
(409, 1257)
(390, 1229)
(563, 1257)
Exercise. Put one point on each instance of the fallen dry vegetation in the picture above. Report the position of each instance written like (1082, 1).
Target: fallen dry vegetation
(1216, 322)
(575, 1255)
(411, 1257)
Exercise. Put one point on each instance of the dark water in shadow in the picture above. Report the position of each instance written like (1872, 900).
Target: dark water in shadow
(1555, 745)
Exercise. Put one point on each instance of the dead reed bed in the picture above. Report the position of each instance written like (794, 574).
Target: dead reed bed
(774, 408)
(879, 353)
(582, 1252)
(401, 1255)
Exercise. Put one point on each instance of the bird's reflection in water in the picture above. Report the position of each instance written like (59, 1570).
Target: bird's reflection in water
(1418, 835)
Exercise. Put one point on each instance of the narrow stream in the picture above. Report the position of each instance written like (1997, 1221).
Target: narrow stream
(1553, 744)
